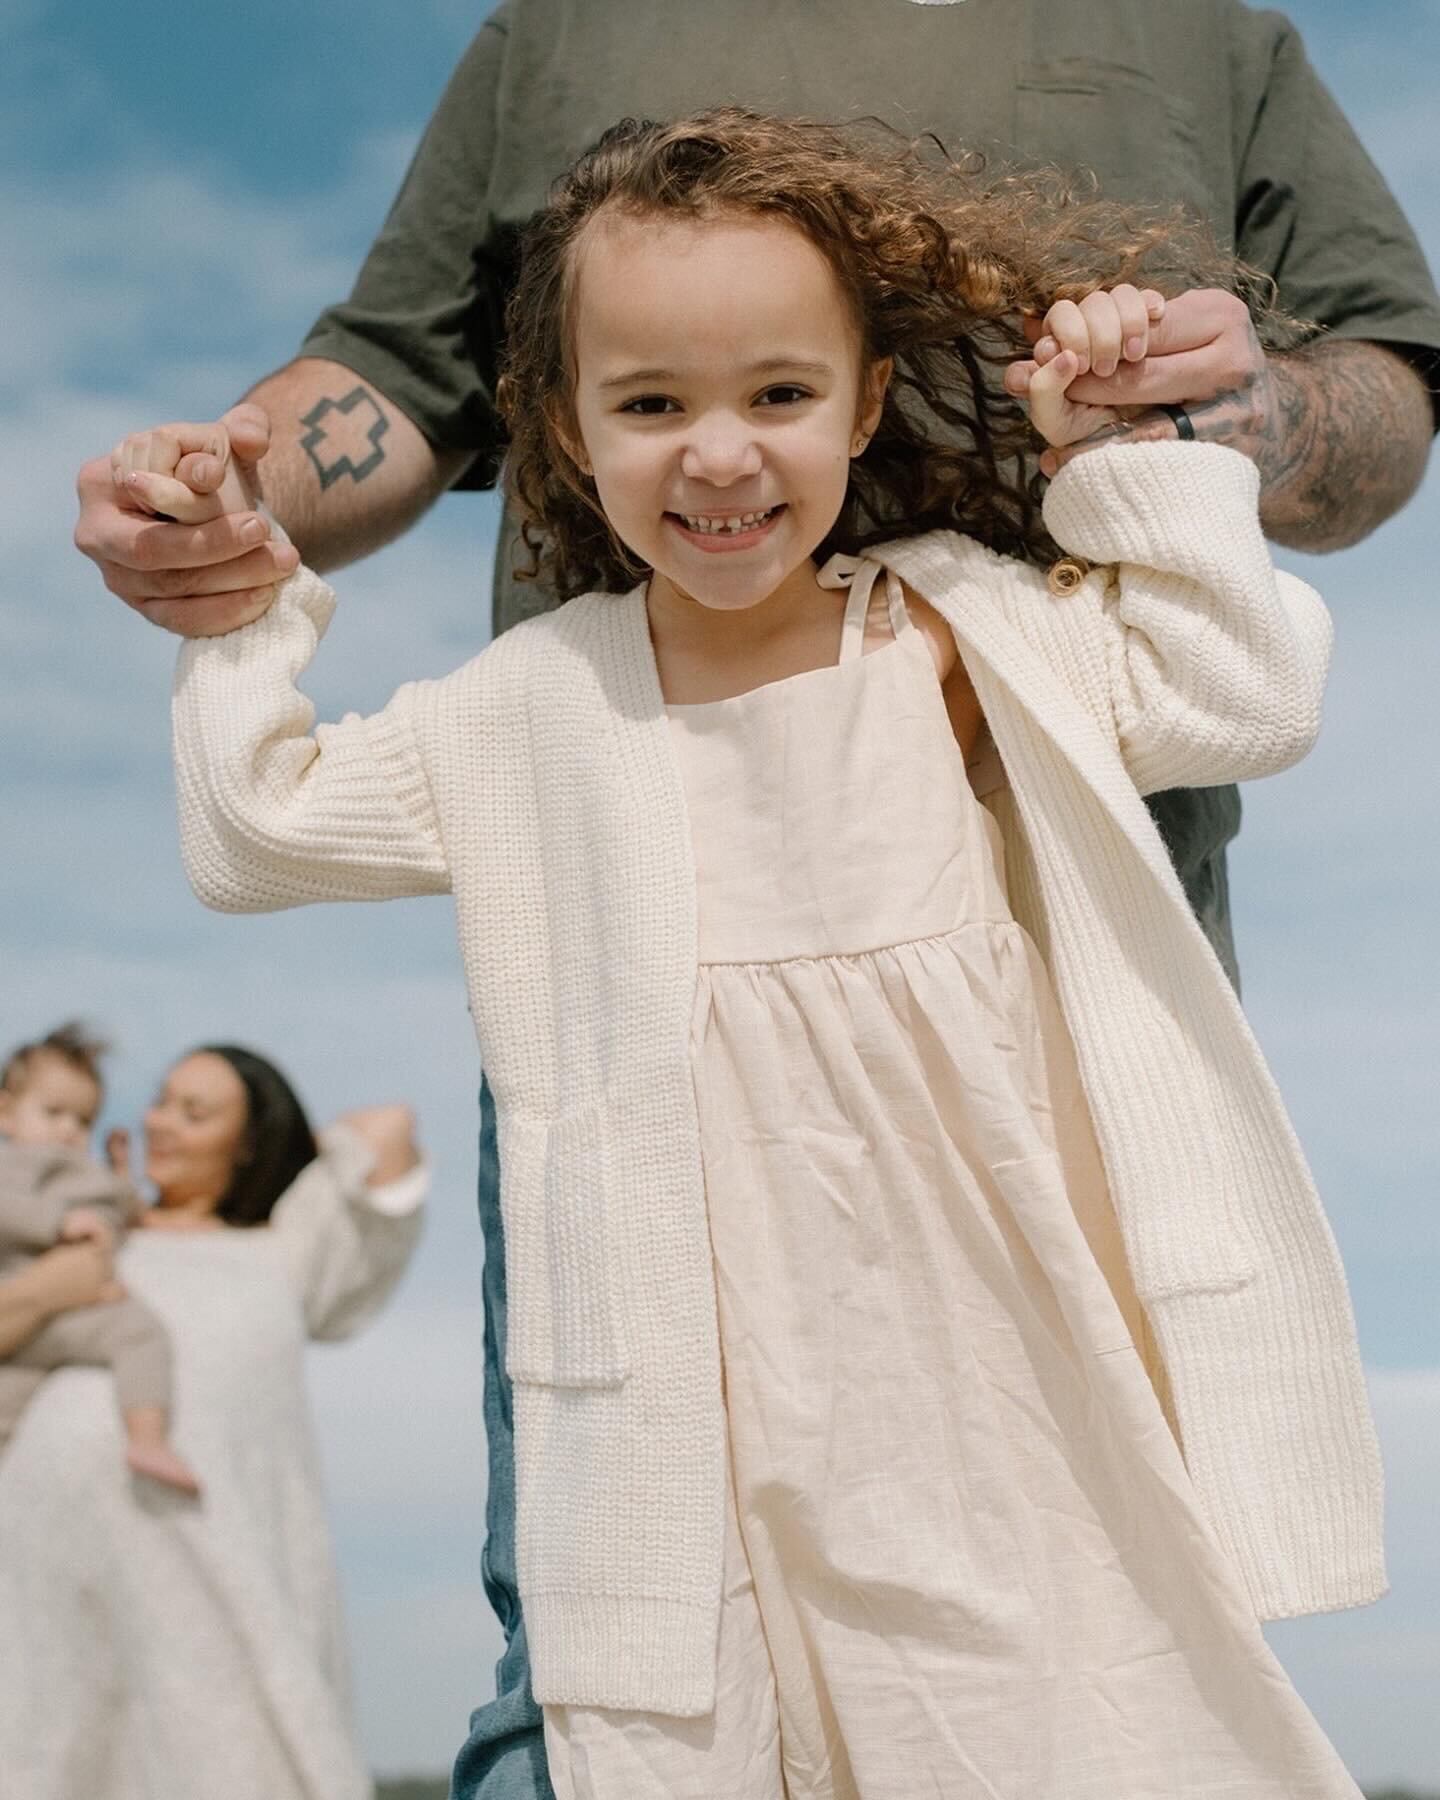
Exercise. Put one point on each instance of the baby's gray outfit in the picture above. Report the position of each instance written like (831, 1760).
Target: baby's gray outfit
(38, 1187)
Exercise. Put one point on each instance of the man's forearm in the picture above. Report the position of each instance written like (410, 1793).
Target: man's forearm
(346, 471)
(1343, 442)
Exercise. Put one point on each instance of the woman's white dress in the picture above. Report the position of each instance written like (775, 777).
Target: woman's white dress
(156, 1648)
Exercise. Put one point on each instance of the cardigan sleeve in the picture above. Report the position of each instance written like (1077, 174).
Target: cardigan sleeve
(275, 814)
(1215, 660)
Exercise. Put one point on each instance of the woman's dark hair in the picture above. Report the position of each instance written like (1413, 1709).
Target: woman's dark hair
(278, 1141)
(940, 262)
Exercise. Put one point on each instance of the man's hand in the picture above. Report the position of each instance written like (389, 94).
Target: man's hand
(1202, 354)
(214, 570)
(1340, 429)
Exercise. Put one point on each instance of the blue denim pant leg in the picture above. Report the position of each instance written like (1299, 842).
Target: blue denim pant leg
(504, 1756)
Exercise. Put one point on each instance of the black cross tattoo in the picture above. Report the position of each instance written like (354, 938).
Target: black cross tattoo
(361, 424)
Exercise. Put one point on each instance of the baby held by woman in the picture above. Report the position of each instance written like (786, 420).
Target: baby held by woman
(52, 1191)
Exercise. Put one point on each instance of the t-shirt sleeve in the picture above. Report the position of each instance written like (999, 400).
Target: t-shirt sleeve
(424, 321)
(1313, 210)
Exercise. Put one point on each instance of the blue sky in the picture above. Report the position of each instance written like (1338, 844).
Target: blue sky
(180, 192)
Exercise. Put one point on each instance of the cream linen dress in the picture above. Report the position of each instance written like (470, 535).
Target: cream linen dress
(963, 1557)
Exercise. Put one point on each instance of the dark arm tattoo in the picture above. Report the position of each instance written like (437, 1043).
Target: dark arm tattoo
(343, 436)
(1346, 437)
(1340, 431)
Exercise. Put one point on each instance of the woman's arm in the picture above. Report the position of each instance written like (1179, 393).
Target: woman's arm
(72, 1275)
(349, 1222)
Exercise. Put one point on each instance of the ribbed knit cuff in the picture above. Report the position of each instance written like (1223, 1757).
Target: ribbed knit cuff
(1278, 1441)
(1134, 503)
(634, 1654)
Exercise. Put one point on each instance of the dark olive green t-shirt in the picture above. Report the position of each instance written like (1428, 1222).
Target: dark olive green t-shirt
(1203, 101)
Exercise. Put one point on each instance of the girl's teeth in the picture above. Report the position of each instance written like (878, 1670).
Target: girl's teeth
(745, 522)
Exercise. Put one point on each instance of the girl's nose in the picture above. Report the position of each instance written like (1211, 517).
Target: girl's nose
(720, 452)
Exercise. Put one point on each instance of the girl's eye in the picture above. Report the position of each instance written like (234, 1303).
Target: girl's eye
(647, 405)
(786, 394)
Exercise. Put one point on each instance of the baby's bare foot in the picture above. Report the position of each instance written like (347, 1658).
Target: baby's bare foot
(160, 1463)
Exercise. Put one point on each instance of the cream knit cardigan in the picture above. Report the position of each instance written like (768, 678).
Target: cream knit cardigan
(538, 784)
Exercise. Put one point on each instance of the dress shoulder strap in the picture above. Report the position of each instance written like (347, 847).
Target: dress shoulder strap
(857, 610)
(860, 575)
(900, 621)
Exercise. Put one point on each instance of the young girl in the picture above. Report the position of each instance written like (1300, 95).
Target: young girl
(930, 1358)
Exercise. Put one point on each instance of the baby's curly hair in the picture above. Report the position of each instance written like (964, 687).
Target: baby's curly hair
(939, 259)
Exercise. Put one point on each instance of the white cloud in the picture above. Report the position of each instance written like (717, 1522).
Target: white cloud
(150, 257)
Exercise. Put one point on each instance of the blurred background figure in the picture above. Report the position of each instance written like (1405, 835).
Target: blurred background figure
(159, 1645)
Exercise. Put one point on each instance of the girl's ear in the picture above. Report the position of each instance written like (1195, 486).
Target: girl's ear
(872, 401)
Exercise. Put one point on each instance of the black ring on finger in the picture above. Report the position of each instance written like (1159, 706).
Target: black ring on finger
(1181, 420)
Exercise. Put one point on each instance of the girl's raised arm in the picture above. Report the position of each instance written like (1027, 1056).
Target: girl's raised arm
(1214, 660)
(275, 812)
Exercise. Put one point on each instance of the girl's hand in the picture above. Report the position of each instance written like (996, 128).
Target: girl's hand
(185, 473)
(1105, 329)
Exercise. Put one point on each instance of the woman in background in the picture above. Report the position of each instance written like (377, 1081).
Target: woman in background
(156, 1645)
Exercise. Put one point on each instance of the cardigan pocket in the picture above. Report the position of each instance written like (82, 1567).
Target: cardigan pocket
(562, 1314)
(1200, 1247)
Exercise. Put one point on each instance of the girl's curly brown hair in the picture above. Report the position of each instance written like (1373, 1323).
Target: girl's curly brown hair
(940, 261)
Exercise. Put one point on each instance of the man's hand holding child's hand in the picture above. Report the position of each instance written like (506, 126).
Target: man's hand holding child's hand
(1108, 368)
(169, 517)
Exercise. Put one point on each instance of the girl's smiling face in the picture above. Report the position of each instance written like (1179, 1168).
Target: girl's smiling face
(718, 397)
